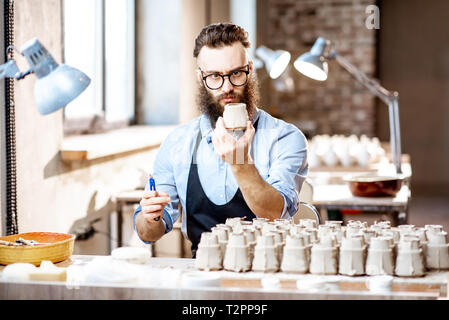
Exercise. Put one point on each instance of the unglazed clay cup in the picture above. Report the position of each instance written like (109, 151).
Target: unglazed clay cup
(209, 255)
(352, 256)
(437, 252)
(323, 259)
(265, 254)
(236, 257)
(409, 260)
(235, 116)
(295, 256)
(380, 259)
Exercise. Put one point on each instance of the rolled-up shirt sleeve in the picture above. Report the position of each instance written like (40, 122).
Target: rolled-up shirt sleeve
(165, 182)
(289, 168)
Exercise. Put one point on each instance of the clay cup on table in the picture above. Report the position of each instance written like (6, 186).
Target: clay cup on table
(437, 251)
(265, 254)
(209, 255)
(380, 258)
(352, 256)
(237, 253)
(324, 256)
(295, 256)
(409, 260)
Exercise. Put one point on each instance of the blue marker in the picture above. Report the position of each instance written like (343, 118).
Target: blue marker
(152, 184)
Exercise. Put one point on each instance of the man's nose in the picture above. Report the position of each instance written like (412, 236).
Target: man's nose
(227, 85)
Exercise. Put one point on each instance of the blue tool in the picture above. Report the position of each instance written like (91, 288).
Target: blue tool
(152, 184)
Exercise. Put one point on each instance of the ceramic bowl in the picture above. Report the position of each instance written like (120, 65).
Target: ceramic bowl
(374, 186)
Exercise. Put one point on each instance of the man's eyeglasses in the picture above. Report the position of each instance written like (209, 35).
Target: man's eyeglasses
(237, 78)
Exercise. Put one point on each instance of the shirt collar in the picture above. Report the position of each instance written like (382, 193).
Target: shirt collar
(206, 127)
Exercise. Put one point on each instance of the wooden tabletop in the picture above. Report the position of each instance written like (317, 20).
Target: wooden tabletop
(232, 286)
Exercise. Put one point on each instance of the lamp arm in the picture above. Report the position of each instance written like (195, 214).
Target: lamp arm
(371, 84)
(388, 97)
(10, 70)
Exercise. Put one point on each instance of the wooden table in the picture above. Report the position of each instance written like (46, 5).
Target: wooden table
(233, 286)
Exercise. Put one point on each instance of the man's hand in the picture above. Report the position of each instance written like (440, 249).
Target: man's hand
(153, 204)
(229, 149)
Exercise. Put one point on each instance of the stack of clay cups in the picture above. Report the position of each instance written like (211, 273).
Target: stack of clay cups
(265, 254)
(209, 255)
(237, 253)
(409, 260)
(324, 256)
(222, 233)
(380, 258)
(295, 258)
(352, 256)
(437, 253)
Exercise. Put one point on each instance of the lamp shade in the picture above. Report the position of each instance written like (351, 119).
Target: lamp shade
(57, 85)
(275, 61)
(60, 87)
(312, 64)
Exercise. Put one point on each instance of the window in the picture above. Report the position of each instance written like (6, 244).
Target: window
(99, 39)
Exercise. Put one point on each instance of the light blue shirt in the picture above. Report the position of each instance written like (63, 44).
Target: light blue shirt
(279, 152)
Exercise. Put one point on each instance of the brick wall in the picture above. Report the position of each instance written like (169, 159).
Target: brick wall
(339, 105)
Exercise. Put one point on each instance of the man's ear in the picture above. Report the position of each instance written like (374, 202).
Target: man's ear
(199, 76)
(251, 70)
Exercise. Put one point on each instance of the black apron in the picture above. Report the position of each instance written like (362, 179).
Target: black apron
(203, 214)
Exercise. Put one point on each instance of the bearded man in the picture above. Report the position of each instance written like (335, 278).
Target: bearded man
(197, 166)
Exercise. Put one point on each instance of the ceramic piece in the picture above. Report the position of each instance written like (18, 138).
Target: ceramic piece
(352, 256)
(209, 255)
(324, 256)
(265, 254)
(380, 258)
(235, 116)
(409, 260)
(236, 257)
(295, 256)
(437, 251)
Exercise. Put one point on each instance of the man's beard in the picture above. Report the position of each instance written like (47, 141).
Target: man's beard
(210, 106)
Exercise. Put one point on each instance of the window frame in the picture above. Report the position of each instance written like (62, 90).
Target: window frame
(95, 123)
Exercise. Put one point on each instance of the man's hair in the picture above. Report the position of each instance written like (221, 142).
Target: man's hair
(220, 34)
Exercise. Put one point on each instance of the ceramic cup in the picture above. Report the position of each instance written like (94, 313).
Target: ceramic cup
(380, 258)
(209, 255)
(352, 256)
(236, 257)
(409, 260)
(265, 254)
(295, 256)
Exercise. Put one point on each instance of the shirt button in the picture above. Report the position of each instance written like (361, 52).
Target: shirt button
(221, 196)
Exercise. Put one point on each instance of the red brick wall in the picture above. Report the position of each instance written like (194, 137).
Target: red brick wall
(339, 105)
